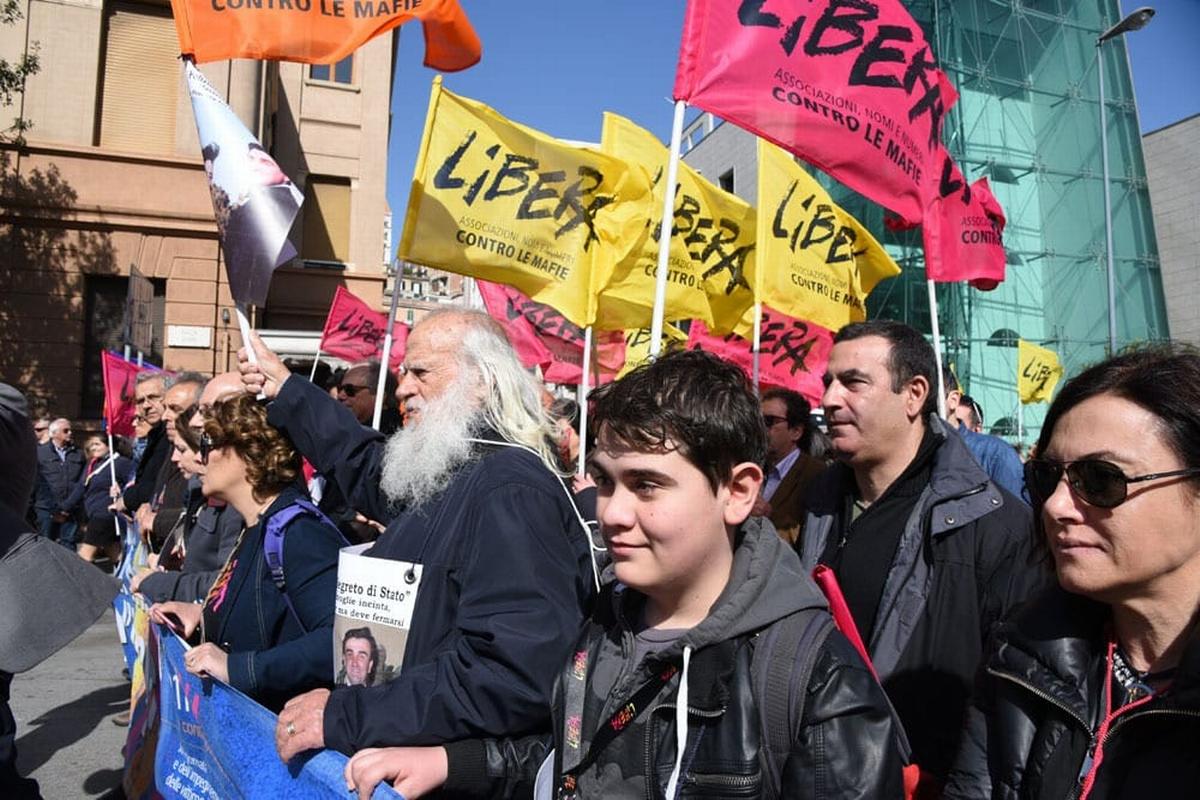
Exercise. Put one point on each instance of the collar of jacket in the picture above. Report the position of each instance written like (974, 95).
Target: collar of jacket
(1056, 644)
(766, 583)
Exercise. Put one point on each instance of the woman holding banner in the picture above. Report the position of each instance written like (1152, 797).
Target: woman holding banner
(266, 625)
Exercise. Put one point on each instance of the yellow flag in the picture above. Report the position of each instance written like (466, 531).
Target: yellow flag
(711, 263)
(497, 200)
(1038, 371)
(637, 345)
(818, 263)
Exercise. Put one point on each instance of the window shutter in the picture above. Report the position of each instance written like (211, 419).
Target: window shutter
(141, 80)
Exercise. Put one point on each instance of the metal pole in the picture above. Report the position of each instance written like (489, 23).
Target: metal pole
(384, 360)
(757, 344)
(1108, 228)
(586, 378)
(664, 236)
(939, 385)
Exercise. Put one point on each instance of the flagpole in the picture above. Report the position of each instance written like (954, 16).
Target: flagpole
(312, 376)
(583, 393)
(385, 360)
(939, 384)
(757, 341)
(664, 236)
(112, 469)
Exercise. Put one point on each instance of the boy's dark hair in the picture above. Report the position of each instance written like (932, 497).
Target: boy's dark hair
(911, 355)
(690, 401)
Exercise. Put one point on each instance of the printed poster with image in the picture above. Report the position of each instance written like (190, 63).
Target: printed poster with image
(374, 611)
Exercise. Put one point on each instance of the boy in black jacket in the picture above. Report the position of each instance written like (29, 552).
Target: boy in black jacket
(680, 683)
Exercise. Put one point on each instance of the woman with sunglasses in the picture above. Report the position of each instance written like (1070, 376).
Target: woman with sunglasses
(271, 643)
(1092, 691)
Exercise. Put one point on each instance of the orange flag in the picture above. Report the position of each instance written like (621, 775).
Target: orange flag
(319, 31)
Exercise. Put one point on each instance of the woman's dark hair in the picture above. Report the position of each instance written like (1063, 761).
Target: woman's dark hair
(1164, 379)
(187, 434)
(240, 423)
(690, 401)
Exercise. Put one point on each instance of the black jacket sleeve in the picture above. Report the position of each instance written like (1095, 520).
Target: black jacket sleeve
(157, 453)
(970, 777)
(328, 435)
(518, 613)
(848, 745)
(1010, 571)
(494, 769)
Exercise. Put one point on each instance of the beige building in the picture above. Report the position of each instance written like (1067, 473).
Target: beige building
(111, 179)
(1173, 170)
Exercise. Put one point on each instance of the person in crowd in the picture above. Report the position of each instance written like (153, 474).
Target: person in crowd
(360, 657)
(269, 642)
(1093, 689)
(470, 492)
(41, 429)
(50, 595)
(162, 519)
(101, 531)
(968, 413)
(356, 391)
(565, 413)
(213, 525)
(148, 392)
(60, 469)
(699, 590)
(789, 469)
(930, 553)
(997, 457)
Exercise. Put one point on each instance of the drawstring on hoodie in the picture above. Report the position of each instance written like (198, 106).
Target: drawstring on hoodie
(681, 722)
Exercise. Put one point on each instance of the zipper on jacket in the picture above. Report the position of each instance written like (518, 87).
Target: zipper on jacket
(1054, 701)
(651, 771)
(1101, 742)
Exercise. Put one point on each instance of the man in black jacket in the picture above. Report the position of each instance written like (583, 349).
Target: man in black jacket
(60, 468)
(148, 395)
(470, 496)
(929, 552)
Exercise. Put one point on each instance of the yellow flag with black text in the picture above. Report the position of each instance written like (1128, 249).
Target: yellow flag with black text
(711, 263)
(1038, 371)
(503, 202)
(637, 346)
(817, 262)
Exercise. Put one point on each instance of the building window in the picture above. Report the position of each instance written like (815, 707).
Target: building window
(326, 219)
(726, 181)
(104, 310)
(140, 80)
(341, 72)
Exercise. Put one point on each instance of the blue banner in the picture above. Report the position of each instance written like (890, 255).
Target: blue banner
(214, 742)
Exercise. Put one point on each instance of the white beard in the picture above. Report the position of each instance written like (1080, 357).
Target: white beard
(421, 458)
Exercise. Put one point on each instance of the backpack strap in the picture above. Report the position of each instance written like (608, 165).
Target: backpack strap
(277, 525)
(781, 665)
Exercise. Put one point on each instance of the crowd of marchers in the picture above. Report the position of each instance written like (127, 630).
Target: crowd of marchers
(730, 602)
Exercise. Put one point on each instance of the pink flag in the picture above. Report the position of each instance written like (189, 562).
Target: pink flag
(120, 381)
(545, 338)
(963, 233)
(355, 332)
(793, 352)
(850, 86)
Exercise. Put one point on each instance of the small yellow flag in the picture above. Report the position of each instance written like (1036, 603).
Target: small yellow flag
(637, 345)
(1038, 371)
(497, 200)
(711, 266)
(816, 262)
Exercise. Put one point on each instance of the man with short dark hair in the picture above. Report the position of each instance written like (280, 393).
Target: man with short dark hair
(60, 468)
(360, 657)
(969, 414)
(929, 552)
(789, 468)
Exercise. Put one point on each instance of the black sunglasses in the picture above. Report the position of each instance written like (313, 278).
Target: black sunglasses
(351, 389)
(771, 420)
(1098, 483)
(207, 445)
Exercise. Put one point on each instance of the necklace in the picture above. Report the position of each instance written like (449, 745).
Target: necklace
(1137, 683)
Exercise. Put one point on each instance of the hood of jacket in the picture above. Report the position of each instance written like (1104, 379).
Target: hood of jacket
(766, 583)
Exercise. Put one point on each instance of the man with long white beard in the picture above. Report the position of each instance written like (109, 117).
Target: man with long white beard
(470, 492)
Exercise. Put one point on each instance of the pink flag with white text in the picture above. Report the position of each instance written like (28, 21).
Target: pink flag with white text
(851, 86)
(792, 353)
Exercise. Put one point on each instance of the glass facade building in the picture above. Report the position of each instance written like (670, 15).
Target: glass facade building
(1028, 118)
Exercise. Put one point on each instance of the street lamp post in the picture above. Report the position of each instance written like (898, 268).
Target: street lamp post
(1132, 22)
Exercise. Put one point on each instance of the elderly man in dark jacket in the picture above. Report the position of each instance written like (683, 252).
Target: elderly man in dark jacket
(32, 570)
(469, 493)
(60, 469)
(929, 552)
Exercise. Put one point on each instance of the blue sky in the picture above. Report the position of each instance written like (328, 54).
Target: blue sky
(557, 65)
